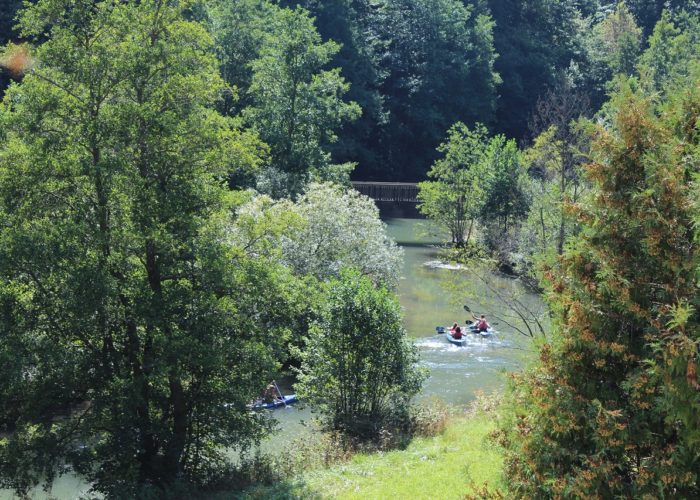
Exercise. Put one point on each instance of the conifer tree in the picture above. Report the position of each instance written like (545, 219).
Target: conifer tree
(612, 409)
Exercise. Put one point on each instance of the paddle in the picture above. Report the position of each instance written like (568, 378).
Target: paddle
(469, 322)
(280, 393)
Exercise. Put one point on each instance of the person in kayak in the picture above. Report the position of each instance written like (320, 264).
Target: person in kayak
(453, 327)
(456, 333)
(481, 323)
(271, 394)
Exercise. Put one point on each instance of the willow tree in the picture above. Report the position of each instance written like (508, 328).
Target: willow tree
(126, 347)
(612, 409)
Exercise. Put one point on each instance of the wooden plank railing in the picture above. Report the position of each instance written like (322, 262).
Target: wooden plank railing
(388, 191)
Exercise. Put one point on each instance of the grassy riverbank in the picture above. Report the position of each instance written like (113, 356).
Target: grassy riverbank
(449, 465)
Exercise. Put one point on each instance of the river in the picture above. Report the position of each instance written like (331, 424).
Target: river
(428, 298)
(432, 294)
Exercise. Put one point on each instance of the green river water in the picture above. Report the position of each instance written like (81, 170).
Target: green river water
(427, 299)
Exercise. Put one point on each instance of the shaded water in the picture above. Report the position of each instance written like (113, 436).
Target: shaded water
(431, 294)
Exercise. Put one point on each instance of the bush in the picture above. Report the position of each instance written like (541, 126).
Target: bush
(358, 369)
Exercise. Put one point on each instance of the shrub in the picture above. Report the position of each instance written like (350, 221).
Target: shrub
(358, 369)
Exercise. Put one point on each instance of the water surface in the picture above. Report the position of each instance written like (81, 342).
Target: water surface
(434, 293)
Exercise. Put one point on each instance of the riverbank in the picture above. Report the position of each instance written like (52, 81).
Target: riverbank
(461, 460)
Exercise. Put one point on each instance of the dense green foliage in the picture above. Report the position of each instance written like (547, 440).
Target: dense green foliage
(277, 60)
(358, 368)
(296, 105)
(327, 229)
(608, 411)
(418, 66)
(535, 42)
(414, 68)
(479, 179)
(455, 196)
(138, 293)
(174, 195)
(116, 283)
(554, 179)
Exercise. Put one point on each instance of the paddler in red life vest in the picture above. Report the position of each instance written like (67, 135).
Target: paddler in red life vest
(481, 323)
(456, 333)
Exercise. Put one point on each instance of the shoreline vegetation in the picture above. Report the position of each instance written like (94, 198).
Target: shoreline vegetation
(454, 452)
(178, 224)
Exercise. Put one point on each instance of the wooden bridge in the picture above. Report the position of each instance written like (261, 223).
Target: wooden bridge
(388, 191)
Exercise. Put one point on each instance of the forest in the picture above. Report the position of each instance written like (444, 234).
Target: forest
(178, 229)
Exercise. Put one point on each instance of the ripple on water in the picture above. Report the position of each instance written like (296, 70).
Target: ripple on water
(438, 264)
(473, 343)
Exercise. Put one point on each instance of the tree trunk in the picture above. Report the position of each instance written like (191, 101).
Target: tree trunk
(469, 233)
(562, 190)
(544, 234)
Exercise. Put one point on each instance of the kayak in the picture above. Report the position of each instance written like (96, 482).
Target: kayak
(487, 333)
(441, 329)
(452, 340)
(288, 400)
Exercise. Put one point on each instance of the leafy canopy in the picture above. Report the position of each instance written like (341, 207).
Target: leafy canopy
(358, 368)
(129, 348)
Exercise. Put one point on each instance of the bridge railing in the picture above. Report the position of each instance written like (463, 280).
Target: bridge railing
(388, 191)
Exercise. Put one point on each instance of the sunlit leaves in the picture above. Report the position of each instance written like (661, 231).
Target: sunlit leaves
(328, 228)
(615, 394)
(358, 368)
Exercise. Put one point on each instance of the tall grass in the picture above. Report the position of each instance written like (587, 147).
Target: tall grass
(459, 460)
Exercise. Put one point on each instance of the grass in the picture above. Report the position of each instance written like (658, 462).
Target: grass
(450, 465)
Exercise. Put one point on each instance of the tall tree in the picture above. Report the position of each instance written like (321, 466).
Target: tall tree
(454, 194)
(535, 42)
(649, 12)
(505, 199)
(439, 62)
(608, 411)
(612, 47)
(240, 30)
(355, 26)
(416, 68)
(297, 105)
(554, 183)
(674, 49)
(128, 338)
(558, 151)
